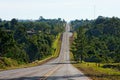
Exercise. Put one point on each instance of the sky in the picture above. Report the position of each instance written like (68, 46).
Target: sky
(65, 9)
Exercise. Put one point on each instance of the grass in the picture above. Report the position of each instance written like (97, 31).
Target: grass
(101, 71)
(7, 63)
(71, 57)
(98, 73)
(75, 34)
(57, 46)
(56, 41)
(106, 71)
(16, 66)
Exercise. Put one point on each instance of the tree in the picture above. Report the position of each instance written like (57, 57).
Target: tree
(0, 20)
(102, 39)
(14, 23)
(16, 43)
(79, 45)
(20, 34)
(10, 49)
(7, 25)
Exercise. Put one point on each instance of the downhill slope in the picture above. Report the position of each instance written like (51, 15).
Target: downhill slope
(57, 69)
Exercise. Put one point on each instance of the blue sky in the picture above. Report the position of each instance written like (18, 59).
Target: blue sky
(65, 9)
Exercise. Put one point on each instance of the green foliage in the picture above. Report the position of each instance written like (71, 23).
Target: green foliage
(79, 45)
(7, 62)
(14, 23)
(113, 66)
(100, 71)
(10, 49)
(27, 41)
(101, 39)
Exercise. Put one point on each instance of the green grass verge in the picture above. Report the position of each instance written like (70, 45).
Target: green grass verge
(71, 57)
(98, 73)
(7, 63)
(12, 64)
(75, 34)
(57, 46)
(102, 71)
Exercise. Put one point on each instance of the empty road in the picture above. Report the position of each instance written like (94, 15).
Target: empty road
(57, 69)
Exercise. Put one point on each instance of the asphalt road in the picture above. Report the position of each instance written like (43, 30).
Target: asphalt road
(57, 69)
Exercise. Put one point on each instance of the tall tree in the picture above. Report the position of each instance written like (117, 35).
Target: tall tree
(79, 45)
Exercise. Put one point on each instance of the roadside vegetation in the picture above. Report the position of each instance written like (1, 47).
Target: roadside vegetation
(26, 43)
(96, 47)
(101, 71)
(57, 45)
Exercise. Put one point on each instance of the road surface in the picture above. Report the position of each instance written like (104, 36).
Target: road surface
(57, 69)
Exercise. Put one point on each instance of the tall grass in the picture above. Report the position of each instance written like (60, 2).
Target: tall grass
(7, 62)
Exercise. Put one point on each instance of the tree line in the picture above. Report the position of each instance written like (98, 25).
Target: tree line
(97, 40)
(28, 40)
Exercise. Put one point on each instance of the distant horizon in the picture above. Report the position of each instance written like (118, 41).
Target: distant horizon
(55, 18)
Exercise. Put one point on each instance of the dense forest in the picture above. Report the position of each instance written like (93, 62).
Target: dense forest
(96, 40)
(25, 41)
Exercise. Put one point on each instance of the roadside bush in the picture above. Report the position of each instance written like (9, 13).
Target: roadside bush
(7, 62)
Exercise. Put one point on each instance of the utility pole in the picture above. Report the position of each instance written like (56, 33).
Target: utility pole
(94, 11)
